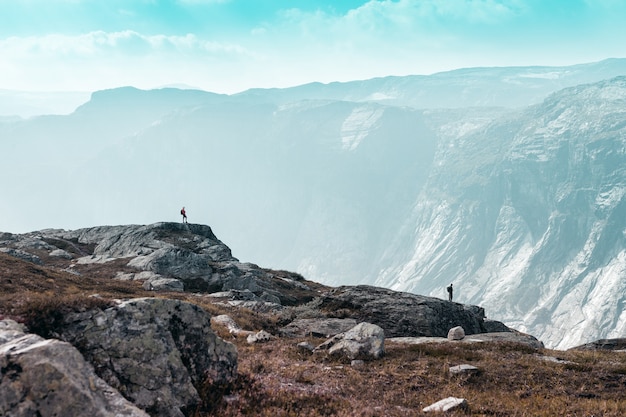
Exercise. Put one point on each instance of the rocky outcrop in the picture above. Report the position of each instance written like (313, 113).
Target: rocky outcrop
(165, 256)
(506, 337)
(156, 352)
(40, 377)
(603, 344)
(26, 256)
(399, 313)
(365, 340)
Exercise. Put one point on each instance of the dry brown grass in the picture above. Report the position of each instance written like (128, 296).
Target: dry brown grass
(278, 379)
(513, 381)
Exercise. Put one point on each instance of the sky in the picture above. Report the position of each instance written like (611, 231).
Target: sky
(228, 46)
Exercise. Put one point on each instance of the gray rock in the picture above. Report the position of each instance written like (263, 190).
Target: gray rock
(270, 298)
(256, 306)
(259, 337)
(447, 404)
(9, 330)
(50, 378)
(60, 253)
(242, 295)
(364, 340)
(463, 369)
(246, 276)
(141, 240)
(509, 337)
(400, 313)
(493, 326)
(317, 327)
(6, 237)
(156, 352)
(456, 333)
(23, 255)
(33, 242)
(189, 253)
(175, 262)
(603, 344)
(164, 284)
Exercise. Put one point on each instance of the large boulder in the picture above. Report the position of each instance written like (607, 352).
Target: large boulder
(42, 377)
(400, 313)
(140, 240)
(156, 352)
(365, 340)
(456, 333)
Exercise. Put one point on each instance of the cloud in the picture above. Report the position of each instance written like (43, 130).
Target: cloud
(415, 11)
(394, 25)
(202, 2)
(125, 42)
(99, 60)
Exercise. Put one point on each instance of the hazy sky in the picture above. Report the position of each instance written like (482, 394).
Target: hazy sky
(230, 45)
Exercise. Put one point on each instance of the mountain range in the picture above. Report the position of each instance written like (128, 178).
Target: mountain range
(506, 182)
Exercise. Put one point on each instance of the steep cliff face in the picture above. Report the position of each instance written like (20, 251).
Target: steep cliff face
(527, 218)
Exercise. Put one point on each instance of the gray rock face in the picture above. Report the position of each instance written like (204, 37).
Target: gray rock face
(167, 256)
(364, 340)
(140, 240)
(447, 404)
(172, 250)
(527, 214)
(156, 352)
(60, 253)
(401, 314)
(508, 337)
(42, 377)
(603, 344)
(317, 327)
(164, 284)
(26, 256)
(463, 369)
(456, 333)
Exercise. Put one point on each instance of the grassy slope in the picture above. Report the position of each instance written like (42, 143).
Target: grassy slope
(278, 379)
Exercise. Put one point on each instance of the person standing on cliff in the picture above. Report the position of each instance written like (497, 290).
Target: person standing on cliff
(184, 214)
(449, 292)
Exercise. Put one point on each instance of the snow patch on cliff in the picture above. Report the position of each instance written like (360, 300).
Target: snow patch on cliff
(358, 124)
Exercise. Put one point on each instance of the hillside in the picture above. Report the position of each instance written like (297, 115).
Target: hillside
(49, 281)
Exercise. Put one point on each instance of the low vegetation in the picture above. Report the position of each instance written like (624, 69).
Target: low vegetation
(279, 379)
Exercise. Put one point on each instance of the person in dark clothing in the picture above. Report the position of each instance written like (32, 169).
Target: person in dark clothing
(184, 214)
(449, 292)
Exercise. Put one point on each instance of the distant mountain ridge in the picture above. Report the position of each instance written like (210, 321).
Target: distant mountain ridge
(492, 86)
(511, 87)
